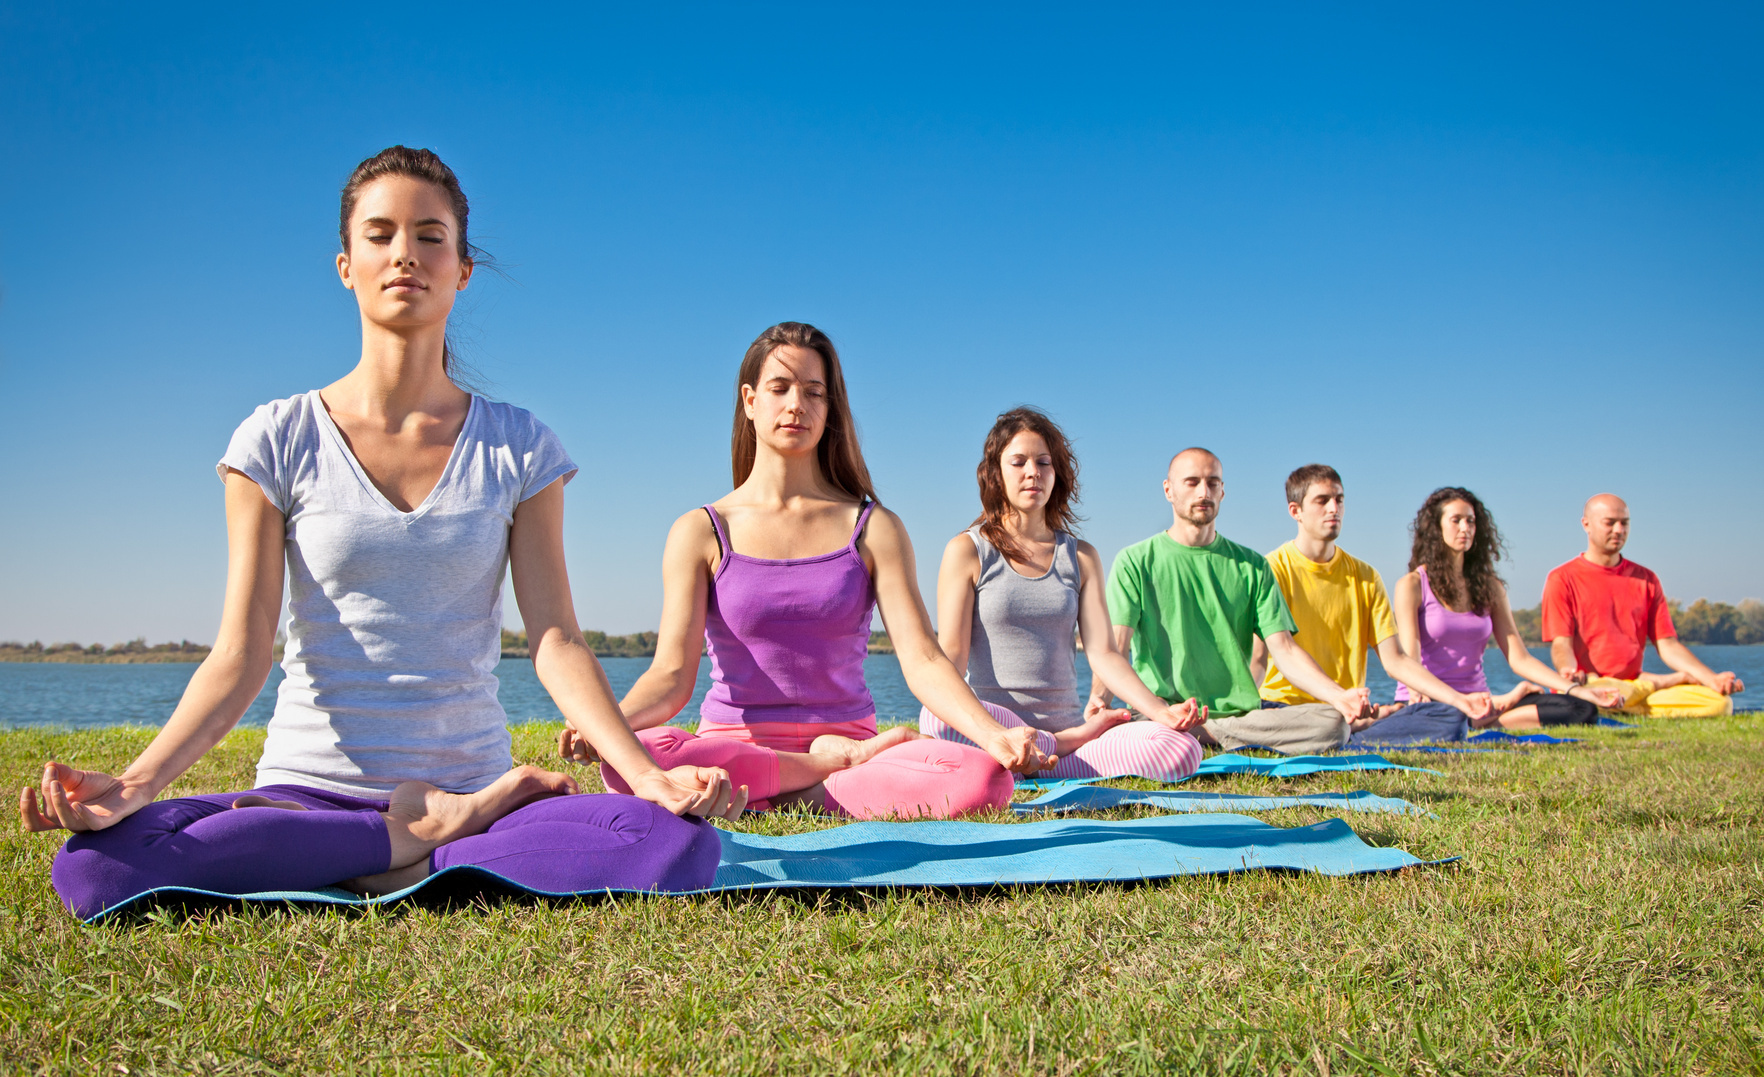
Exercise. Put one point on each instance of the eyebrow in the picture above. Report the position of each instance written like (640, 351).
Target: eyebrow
(810, 381)
(389, 222)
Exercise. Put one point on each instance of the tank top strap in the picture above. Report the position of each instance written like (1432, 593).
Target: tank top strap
(1065, 560)
(863, 518)
(717, 526)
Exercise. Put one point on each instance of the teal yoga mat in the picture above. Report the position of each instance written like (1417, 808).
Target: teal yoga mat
(936, 854)
(1292, 766)
(1082, 796)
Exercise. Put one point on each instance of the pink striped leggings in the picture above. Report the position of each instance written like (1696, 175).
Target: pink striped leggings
(1142, 748)
(932, 779)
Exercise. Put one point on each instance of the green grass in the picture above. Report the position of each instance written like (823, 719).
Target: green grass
(1605, 919)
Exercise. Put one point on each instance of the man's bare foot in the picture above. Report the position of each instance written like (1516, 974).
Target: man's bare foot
(388, 882)
(841, 753)
(258, 800)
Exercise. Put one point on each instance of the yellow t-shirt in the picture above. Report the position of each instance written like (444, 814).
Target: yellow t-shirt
(1341, 610)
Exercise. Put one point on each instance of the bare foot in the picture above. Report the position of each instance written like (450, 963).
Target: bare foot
(258, 800)
(841, 753)
(1385, 710)
(420, 818)
(388, 882)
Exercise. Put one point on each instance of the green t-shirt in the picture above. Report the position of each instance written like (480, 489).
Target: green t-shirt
(1195, 612)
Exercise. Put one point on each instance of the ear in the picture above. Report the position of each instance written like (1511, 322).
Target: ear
(747, 397)
(1292, 510)
(465, 274)
(343, 271)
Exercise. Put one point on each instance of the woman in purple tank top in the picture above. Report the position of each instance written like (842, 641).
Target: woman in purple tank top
(779, 578)
(1449, 609)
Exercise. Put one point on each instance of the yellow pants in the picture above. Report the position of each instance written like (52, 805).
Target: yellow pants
(1681, 701)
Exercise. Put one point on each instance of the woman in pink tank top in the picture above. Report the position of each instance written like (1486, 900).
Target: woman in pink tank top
(1452, 606)
(780, 577)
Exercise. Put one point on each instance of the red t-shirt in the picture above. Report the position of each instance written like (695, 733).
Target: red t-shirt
(1610, 613)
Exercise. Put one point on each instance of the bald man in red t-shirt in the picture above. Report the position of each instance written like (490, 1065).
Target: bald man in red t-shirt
(1601, 611)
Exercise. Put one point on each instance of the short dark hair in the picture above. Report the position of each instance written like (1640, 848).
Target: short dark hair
(1299, 482)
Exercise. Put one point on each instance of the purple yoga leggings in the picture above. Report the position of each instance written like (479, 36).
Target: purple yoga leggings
(567, 844)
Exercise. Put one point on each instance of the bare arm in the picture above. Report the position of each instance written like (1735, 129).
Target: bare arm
(1562, 657)
(1509, 641)
(570, 672)
(928, 672)
(1410, 671)
(218, 694)
(957, 579)
(1109, 666)
(1100, 693)
(1259, 661)
(1302, 672)
(687, 563)
(1680, 658)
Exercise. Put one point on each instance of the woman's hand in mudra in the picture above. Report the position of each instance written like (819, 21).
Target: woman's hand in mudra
(79, 800)
(706, 792)
(575, 747)
(1016, 751)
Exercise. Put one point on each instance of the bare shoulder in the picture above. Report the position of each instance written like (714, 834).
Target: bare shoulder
(693, 524)
(693, 536)
(961, 549)
(1409, 583)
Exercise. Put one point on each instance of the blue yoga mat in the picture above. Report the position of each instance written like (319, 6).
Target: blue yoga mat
(1082, 796)
(940, 854)
(1291, 766)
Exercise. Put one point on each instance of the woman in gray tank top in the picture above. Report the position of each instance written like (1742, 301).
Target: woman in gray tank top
(1015, 592)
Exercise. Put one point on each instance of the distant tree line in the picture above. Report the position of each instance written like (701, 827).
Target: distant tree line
(636, 645)
(135, 650)
(1700, 622)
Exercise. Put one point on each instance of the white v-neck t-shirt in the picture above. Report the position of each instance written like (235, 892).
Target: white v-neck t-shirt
(395, 618)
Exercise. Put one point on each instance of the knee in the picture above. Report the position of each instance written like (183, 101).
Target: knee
(687, 851)
(981, 782)
(1171, 754)
(94, 872)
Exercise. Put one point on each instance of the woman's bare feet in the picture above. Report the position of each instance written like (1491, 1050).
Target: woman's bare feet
(841, 753)
(258, 800)
(388, 882)
(1067, 741)
(421, 818)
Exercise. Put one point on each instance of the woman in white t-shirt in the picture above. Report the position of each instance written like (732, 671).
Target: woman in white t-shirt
(396, 500)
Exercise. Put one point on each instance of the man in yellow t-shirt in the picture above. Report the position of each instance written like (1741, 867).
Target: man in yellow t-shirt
(1342, 612)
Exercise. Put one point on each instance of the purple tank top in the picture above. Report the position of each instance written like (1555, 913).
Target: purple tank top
(788, 639)
(1451, 643)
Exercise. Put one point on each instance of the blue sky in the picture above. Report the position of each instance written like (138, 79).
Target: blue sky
(1504, 247)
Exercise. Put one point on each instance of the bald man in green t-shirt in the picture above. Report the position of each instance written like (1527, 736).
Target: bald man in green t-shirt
(1190, 603)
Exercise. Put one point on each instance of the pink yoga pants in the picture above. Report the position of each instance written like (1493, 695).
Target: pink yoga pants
(919, 779)
(1144, 748)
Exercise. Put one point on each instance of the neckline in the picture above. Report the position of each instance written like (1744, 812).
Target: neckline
(1052, 561)
(1167, 537)
(367, 482)
(727, 545)
(1431, 593)
(1318, 566)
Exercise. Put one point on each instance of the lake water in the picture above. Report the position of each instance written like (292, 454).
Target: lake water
(88, 696)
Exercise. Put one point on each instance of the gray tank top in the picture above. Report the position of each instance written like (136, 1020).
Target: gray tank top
(1021, 654)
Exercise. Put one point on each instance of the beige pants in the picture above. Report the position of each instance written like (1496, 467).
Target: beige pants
(1305, 729)
(1679, 701)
